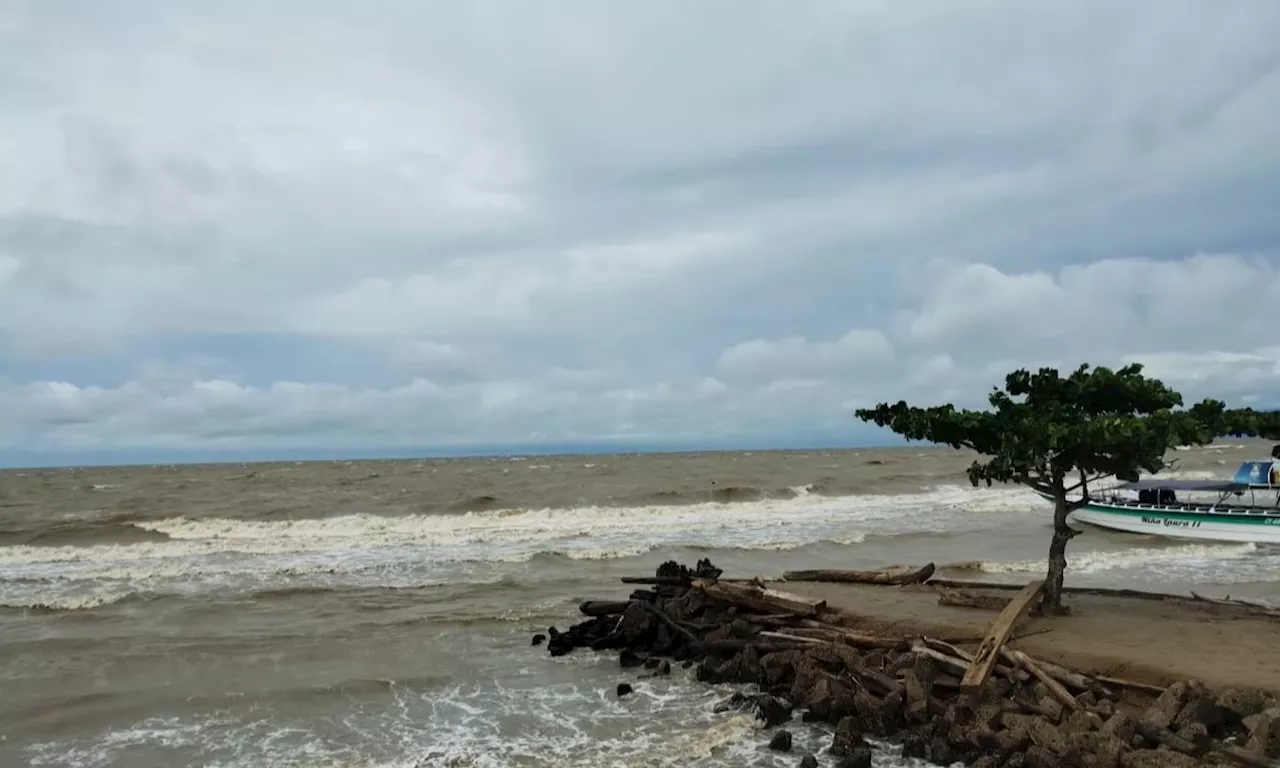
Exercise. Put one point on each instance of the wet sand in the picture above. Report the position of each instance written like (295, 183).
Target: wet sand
(1150, 641)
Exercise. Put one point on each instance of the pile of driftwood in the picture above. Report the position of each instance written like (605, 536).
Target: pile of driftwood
(945, 699)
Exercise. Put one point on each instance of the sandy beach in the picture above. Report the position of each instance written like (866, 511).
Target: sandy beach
(1152, 641)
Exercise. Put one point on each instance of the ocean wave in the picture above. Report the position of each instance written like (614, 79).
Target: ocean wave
(1138, 557)
(189, 556)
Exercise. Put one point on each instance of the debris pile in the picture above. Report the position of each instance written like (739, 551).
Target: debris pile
(960, 699)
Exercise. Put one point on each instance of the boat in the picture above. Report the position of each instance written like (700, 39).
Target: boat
(1245, 508)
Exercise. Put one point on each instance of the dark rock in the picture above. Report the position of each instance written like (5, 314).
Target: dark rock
(973, 738)
(892, 714)
(629, 658)
(687, 664)
(1166, 708)
(559, 644)
(988, 761)
(664, 668)
(808, 761)
(1264, 733)
(1052, 708)
(719, 634)
(1196, 734)
(1106, 752)
(1016, 760)
(825, 698)
(713, 671)
(860, 757)
(624, 690)
(1120, 725)
(538, 639)
(781, 741)
(834, 658)
(1042, 757)
(750, 666)
(1243, 702)
(703, 569)
(772, 710)
(848, 736)
(1157, 758)
(664, 640)
(916, 741)
(940, 752)
(1020, 729)
(917, 697)
(1202, 708)
(651, 663)
(1105, 708)
(778, 668)
(1081, 721)
(875, 659)
(872, 714)
(637, 625)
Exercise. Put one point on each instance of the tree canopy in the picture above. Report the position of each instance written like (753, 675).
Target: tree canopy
(1092, 423)
(1056, 434)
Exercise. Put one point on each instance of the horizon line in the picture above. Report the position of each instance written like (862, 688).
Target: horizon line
(107, 459)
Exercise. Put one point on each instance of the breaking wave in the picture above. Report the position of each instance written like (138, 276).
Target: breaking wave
(197, 555)
(1097, 562)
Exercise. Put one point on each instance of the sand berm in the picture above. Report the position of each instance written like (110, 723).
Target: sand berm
(1129, 681)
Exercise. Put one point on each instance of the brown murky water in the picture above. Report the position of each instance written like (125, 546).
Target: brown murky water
(378, 613)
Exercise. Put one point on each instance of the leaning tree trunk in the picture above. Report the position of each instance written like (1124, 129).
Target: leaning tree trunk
(1051, 603)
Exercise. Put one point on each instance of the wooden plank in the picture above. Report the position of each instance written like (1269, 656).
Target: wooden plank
(1117, 682)
(848, 637)
(894, 577)
(1061, 674)
(1055, 688)
(672, 581)
(603, 607)
(1249, 607)
(762, 600)
(984, 659)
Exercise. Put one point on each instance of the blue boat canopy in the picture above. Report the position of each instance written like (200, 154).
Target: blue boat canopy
(1255, 473)
(1158, 484)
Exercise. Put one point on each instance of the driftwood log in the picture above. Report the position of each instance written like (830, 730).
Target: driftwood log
(760, 599)
(1249, 607)
(963, 598)
(603, 607)
(888, 577)
(984, 659)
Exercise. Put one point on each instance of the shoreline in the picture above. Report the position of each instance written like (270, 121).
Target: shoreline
(1180, 682)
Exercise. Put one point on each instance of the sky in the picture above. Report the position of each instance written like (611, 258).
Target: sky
(295, 228)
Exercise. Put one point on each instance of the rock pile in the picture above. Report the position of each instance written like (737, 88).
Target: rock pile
(908, 689)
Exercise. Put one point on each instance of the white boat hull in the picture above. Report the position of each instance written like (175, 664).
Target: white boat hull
(1182, 525)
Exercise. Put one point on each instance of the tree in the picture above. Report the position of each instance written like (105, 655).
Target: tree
(1058, 434)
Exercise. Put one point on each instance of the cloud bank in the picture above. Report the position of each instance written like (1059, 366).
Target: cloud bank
(269, 227)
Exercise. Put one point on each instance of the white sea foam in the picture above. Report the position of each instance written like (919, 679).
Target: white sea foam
(1098, 561)
(412, 550)
(1204, 564)
(572, 719)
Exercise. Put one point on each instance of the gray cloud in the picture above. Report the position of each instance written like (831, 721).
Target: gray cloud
(252, 226)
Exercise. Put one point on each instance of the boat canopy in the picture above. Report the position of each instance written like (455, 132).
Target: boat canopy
(1159, 484)
(1255, 473)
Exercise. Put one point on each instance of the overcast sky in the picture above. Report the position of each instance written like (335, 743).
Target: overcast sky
(271, 228)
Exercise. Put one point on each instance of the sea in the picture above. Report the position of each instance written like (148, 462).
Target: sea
(378, 614)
